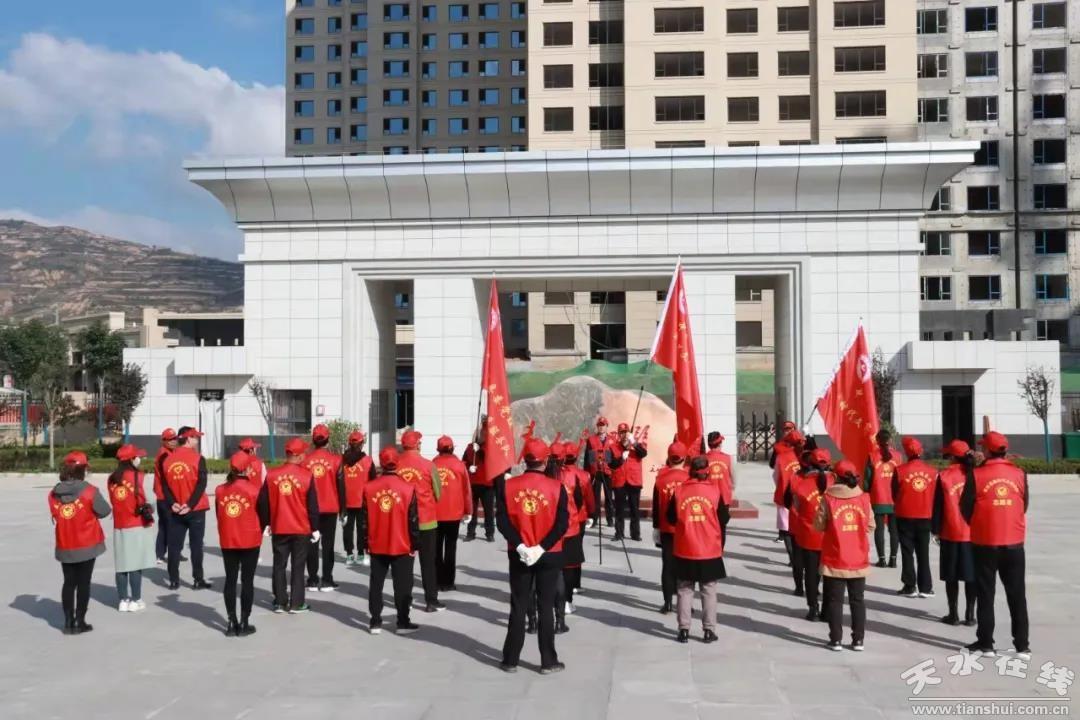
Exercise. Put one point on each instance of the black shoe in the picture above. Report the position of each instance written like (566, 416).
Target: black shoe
(709, 637)
(798, 592)
(232, 629)
(857, 645)
(892, 561)
(881, 562)
(683, 636)
(407, 628)
(834, 645)
(200, 585)
(69, 626)
(907, 591)
(507, 667)
(81, 626)
(246, 628)
(182, 558)
(434, 607)
(635, 539)
(375, 627)
(490, 538)
(665, 608)
(556, 667)
(470, 537)
(174, 584)
(812, 614)
(278, 609)
(618, 537)
(821, 615)
(969, 620)
(951, 619)
(561, 627)
(328, 586)
(977, 648)
(609, 523)
(530, 626)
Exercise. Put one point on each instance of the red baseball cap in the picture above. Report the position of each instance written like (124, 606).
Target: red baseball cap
(536, 450)
(127, 453)
(189, 432)
(558, 449)
(788, 425)
(912, 447)
(240, 462)
(296, 446)
(320, 432)
(410, 439)
(601, 421)
(994, 442)
(444, 443)
(388, 457)
(794, 437)
(168, 434)
(76, 459)
(356, 437)
(676, 451)
(248, 444)
(623, 427)
(820, 456)
(571, 450)
(956, 449)
(845, 468)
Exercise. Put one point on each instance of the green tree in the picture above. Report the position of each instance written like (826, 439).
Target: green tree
(102, 359)
(339, 433)
(127, 389)
(23, 350)
(49, 379)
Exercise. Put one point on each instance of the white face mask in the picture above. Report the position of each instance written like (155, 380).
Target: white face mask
(137, 461)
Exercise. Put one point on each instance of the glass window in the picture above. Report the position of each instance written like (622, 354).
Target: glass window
(358, 21)
(936, 243)
(489, 96)
(518, 96)
(559, 337)
(606, 74)
(1051, 287)
(459, 13)
(1051, 196)
(303, 136)
(517, 38)
(489, 125)
(333, 107)
(980, 19)
(489, 10)
(429, 13)
(983, 243)
(518, 67)
(395, 40)
(292, 411)
(459, 98)
(489, 68)
(395, 125)
(793, 63)
(739, 65)
(605, 32)
(987, 154)
(933, 65)
(458, 41)
(517, 124)
(1049, 151)
(429, 70)
(742, 109)
(606, 117)
(982, 109)
(333, 52)
(303, 108)
(932, 22)
(558, 33)
(358, 133)
(942, 201)
(679, 20)
(935, 288)
(489, 39)
(304, 53)
(680, 108)
(793, 19)
(684, 64)
(866, 13)
(860, 59)
(333, 79)
(1049, 61)
(304, 81)
(794, 107)
(429, 126)
(395, 68)
(358, 104)
(1051, 242)
(395, 97)
(517, 9)
(1048, 15)
(429, 41)
(984, 197)
(741, 21)
(358, 76)
(933, 110)
(1052, 330)
(396, 150)
(358, 49)
(429, 98)
(1048, 107)
(558, 119)
(395, 11)
(333, 135)
(333, 25)
(869, 103)
(981, 64)
(459, 126)
(304, 26)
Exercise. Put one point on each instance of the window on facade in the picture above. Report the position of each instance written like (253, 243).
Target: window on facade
(395, 96)
(859, 14)
(489, 68)
(1052, 330)
(748, 333)
(739, 65)
(1051, 196)
(982, 109)
(358, 104)
(1048, 15)
(429, 70)
(458, 40)
(679, 20)
(429, 13)
(606, 74)
(987, 154)
(358, 49)
(1049, 151)
(606, 117)
(303, 108)
(395, 126)
(1051, 242)
(558, 119)
(489, 10)
(459, 98)
(793, 63)
(518, 96)
(558, 337)
(429, 126)
(489, 39)
(333, 80)
(743, 143)
(395, 40)
(679, 64)
(558, 76)
(984, 197)
(333, 52)
(793, 19)
(358, 21)
(518, 124)
(666, 144)
(935, 65)
(980, 19)
(981, 64)
(304, 53)
(304, 81)
(394, 12)
(333, 136)
(395, 150)
(742, 109)
(1048, 61)
(862, 140)
(357, 133)
(429, 41)
(458, 13)
(933, 110)
(936, 243)
(292, 411)
(304, 26)
(395, 68)
(458, 126)
(518, 67)
(935, 288)
(790, 143)
(984, 287)
(1047, 107)
(932, 22)
(794, 107)
(605, 32)
(984, 242)
(458, 68)
(867, 103)
(518, 9)
(742, 21)
(942, 201)
(489, 96)
(1051, 287)
(303, 136)
(680, 108)
(558, 298)
(558, 34)
(333, 107)
(517, 38)
(860, 59)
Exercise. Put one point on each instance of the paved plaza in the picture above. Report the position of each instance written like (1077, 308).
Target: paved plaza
(172, 661)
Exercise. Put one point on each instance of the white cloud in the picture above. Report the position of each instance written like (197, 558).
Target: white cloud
(241, 18)
(49, 85)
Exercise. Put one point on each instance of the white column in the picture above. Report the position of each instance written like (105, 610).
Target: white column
(783, 329)
(711, 298)
(369, 333)
(448, 350)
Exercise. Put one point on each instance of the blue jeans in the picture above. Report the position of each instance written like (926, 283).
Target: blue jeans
(132, 579)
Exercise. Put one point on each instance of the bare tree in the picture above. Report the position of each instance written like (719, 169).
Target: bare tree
(1037, 388)
(263, 392)
(885, 379)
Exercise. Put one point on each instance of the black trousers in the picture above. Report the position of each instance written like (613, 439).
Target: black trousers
(351, 531)
(603, 482)
(240, 564)
(810, 563)
(194, 525)
(291, 551)
(482, 495)
(834, 607)
(161, 544)
(1009, 562)
(627, 504)
(75, 592)
(429, 543)
(327, 532)
(789, 548)
(446, 552)
(879, 534)
(522, 578)
(952, 594)
(667, 566)
(796, 560)
(915, 551)
(571, 581)
(401, 568)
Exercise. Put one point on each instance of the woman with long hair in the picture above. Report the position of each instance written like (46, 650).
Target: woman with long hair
(133, 527)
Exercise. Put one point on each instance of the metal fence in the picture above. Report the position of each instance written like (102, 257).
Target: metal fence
(756, 437)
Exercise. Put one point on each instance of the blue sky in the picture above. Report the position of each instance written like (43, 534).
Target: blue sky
(101, 101)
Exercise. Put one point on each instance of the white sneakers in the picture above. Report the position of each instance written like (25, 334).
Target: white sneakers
(365, 560)
(569, 608)
(358, 559)
(131, 606)
(125, 606)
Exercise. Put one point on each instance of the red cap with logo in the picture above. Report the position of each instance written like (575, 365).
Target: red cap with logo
(168, 434)
(388, 457)
(320, 432)
(76, 458)
(845, 468)
(127, 453)
(240, 462)
(601, 421)
(296, 446)
(558, 450)
(676, 451)
(956, 449)
(571, 450)
(248, 444)
(445, 443)
(994, 442)
(536, 450)
(820, 456)
(794, 438)
(410, 439)
(623, 427)
(912, 447)
(356, 437)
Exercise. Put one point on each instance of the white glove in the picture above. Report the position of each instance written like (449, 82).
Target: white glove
(523, 553)
(472, 469)
(534, 554)
(466, 518)
(316, 536)
(588, 523)
(656, 537)
(266, 531)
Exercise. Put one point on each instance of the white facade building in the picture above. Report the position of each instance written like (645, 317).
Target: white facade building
(835, 229)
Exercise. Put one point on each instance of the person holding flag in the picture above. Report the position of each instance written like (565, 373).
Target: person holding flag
(624, 458)
(482, 487)
(498, 432)
(673, 348)
(847, 405)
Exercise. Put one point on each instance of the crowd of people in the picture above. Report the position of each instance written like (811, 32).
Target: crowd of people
(406, 507)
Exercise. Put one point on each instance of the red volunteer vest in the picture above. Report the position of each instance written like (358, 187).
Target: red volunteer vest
(597, 445)
(569, 480)
(954, 527)
(531, 501)
(455, 496)
(999, 517)
(697, 534)
(915, 490)
(475, 458)
(124, 500)
(323, 465)
(585, 483)
(720, 473)
(806, 499)
(846, 544)
(418, 471)
(881, 482)
(237, 518)
(287, 488)
(356, 477)
(256, 471)
(182, 475)
(387, 500)
(667, 480)
(159, 472)
(787, 465)
(76, 525)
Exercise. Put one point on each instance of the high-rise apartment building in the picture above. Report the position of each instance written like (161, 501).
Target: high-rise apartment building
(671, 73)
(405, 77)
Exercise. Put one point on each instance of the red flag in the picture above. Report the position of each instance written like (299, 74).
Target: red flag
(674, 349)
(847, 404)
(499, 443)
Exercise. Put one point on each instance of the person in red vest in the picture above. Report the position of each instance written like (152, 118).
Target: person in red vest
(995, 502)
(77, 507)
(624, 458)
(785, 428)
(573, 548)
(240, 534)
(533, 517)
(161, 545)
(355, 471)
(185, 492)
(595, 451)
(451, 509)
(288, 504)
(414, 468)
(694, 511)
(670, 477)
(913, 493)
(323, 464)
(482, 487)
(785, 467)
(133, 527)
(878, 481)
(802, 498)
(956, 562)
(845, 519)
(721, 472)
(256, 474)
(391, 519)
